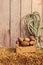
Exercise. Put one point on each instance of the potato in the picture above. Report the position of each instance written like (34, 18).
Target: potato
(27, 39)
(32, 38)
(32, 43)
(25, 43)
(20, 39)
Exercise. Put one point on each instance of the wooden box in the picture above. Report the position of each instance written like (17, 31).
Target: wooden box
(25, 49)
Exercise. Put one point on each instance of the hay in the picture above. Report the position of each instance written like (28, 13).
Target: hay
(8, 56)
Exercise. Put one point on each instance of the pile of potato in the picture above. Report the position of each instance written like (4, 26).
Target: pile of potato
(30, 41)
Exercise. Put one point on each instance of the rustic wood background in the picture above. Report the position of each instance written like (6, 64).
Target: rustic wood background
(11, 13)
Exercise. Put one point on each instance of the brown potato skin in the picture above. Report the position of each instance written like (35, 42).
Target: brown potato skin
(27, 39)
(25, 43)
(32, 43)
(20, 39)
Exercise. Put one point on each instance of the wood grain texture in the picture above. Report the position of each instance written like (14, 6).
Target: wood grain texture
(25, 9)
(15, 21)
(4, 22)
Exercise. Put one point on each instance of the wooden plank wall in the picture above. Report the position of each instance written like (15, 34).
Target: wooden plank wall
(12, 11)
(4, 23)
(25, 9)
(15, 21)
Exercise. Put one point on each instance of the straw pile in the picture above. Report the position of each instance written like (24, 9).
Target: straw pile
(8, 56)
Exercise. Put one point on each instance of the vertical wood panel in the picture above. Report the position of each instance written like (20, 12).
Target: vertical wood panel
(25, 9)
(4, 22)
(37, 6)
(15, 21)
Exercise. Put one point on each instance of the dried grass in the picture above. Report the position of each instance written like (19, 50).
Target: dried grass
(8, 56)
